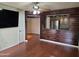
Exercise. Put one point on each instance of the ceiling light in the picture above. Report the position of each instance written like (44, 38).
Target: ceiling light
(38, 12)
(36, 8)
(34, 12)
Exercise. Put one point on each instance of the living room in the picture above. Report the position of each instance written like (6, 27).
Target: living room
(39, 28)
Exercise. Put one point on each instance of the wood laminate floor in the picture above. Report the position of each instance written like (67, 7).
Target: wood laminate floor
(36, 48)
(42, 49)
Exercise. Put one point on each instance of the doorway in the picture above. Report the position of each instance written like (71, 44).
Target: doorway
(32, 27)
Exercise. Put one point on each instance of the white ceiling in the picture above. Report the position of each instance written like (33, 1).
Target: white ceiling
(44, 6)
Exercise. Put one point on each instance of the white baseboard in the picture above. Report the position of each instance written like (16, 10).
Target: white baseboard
(58, 43)
(26, 41)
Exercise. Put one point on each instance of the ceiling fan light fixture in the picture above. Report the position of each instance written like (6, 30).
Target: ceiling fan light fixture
(36, 12)
(36, 8)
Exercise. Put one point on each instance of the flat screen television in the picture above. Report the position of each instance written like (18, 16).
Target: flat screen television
(8, 18)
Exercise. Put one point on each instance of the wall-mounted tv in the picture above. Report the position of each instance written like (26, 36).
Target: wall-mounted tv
(8, 18)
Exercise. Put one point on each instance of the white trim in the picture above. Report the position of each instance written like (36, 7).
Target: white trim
(26, 41)
(64, 44)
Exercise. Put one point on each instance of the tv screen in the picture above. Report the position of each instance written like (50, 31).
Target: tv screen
(8, 18)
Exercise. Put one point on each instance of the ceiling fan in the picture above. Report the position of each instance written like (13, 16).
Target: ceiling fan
(37, 9)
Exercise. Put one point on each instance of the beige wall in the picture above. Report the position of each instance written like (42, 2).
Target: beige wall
(29, 25)
(11, 36)
(33, 25)
(8, 37)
